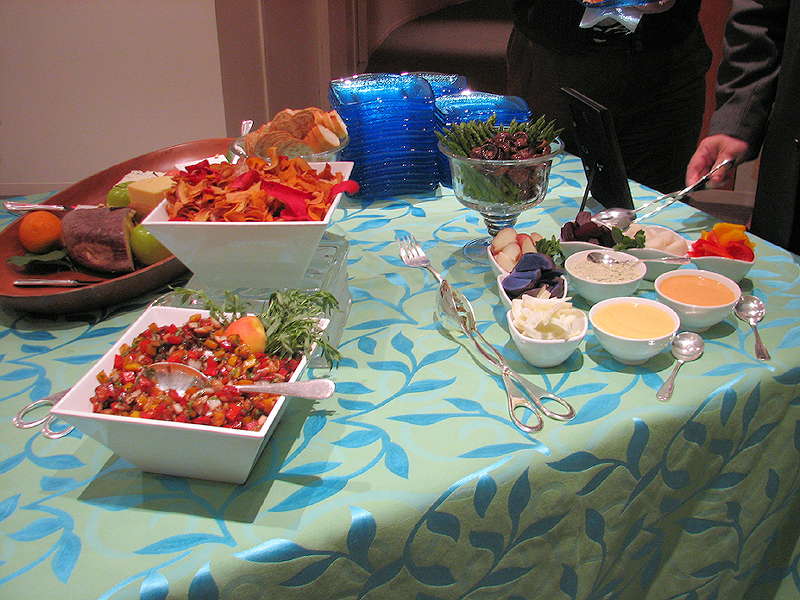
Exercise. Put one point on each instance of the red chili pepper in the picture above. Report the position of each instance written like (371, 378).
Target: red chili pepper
(348, 185)
(211, 369)
(233, 412)
(128, 376)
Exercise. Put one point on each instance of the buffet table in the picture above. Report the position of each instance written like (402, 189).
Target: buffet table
(411, 481)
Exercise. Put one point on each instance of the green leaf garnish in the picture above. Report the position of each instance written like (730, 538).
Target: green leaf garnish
(290, 318)
(623, 242)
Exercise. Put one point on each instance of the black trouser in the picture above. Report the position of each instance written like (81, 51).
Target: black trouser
(656, 97)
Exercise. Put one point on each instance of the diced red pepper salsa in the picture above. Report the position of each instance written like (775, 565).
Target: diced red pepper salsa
(201, 343)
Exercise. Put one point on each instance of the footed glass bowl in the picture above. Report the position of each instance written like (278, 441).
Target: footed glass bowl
(500, 190)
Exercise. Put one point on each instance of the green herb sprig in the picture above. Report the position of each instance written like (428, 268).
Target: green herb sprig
(624, 242)
(290, 318)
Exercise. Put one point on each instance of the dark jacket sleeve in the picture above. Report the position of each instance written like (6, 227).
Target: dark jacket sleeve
(747, 78)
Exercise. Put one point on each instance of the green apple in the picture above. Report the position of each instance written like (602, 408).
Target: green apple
(146, 247)
(118, 196)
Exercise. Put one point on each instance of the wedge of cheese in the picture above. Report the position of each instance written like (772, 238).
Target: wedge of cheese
(146, 194)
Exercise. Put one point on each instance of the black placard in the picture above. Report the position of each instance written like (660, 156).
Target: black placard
(599, 151)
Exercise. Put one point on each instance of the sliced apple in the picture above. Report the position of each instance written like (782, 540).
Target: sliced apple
(526, 243)
(505, 262)
(503, 238)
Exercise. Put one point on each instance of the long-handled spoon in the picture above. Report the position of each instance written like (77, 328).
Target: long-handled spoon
(623, 217)
(180, 377)
(751, 310)
(686, 346)
(606, 259)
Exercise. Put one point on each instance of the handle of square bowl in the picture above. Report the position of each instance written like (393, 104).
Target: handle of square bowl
(45, 421)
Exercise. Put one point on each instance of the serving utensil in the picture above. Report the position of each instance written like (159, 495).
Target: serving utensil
(455, 306)
(180, 377)
(751, 310)
(685, 347)
(606, 259)
(623, 217)
(54, 282)
(19, 208)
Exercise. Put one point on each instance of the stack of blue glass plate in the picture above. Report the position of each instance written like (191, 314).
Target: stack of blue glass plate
(468, 106)
(390, 122)
(443, 84)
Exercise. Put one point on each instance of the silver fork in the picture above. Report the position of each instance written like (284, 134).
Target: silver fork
(414, 256)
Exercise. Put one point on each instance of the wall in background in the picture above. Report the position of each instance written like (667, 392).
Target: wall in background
(87, 83)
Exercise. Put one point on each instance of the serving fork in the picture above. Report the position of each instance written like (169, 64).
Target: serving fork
(456, 307)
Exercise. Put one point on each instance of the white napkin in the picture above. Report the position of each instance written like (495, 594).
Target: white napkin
(626, 16)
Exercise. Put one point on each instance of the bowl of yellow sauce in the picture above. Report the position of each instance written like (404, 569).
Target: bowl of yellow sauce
(701, 298)
(633, 330)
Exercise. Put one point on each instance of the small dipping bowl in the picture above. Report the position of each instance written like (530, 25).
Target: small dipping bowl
(633, 330)
(505, 298)
(595, 289)
(731, 268)
(545, 353)
(703, 312)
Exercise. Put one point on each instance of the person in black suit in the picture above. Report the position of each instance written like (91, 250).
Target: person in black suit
(758, 92)
(647, 67)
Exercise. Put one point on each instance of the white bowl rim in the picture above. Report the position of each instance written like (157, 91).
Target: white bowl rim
(640, 266)
(676, 320)
(721, 259)
(726, 281)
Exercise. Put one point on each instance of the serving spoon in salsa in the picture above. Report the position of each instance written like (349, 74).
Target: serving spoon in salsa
(180, 377)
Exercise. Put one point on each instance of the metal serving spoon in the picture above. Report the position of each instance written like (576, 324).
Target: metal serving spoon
(623, 217)
(751, 310)
(180, 377)
(607, 259)
(685, 347)
(456, 307)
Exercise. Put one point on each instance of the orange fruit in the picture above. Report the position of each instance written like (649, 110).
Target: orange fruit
(40, 232)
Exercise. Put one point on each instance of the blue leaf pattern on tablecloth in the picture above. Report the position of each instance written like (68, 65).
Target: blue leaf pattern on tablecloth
(400, 380)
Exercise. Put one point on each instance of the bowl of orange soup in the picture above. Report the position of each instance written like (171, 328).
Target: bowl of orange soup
(701, 298)
(633, 330)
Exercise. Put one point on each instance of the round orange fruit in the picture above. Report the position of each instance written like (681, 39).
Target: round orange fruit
(40, 232)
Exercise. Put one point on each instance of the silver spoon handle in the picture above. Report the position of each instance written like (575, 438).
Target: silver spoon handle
(315, 389)
(665, 391)
(761, 349)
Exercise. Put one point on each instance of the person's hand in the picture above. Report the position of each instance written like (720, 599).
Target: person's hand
(712, 150)
(654, 7)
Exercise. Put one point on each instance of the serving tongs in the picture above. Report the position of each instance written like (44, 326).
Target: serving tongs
(623, 217)
(455, 306)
